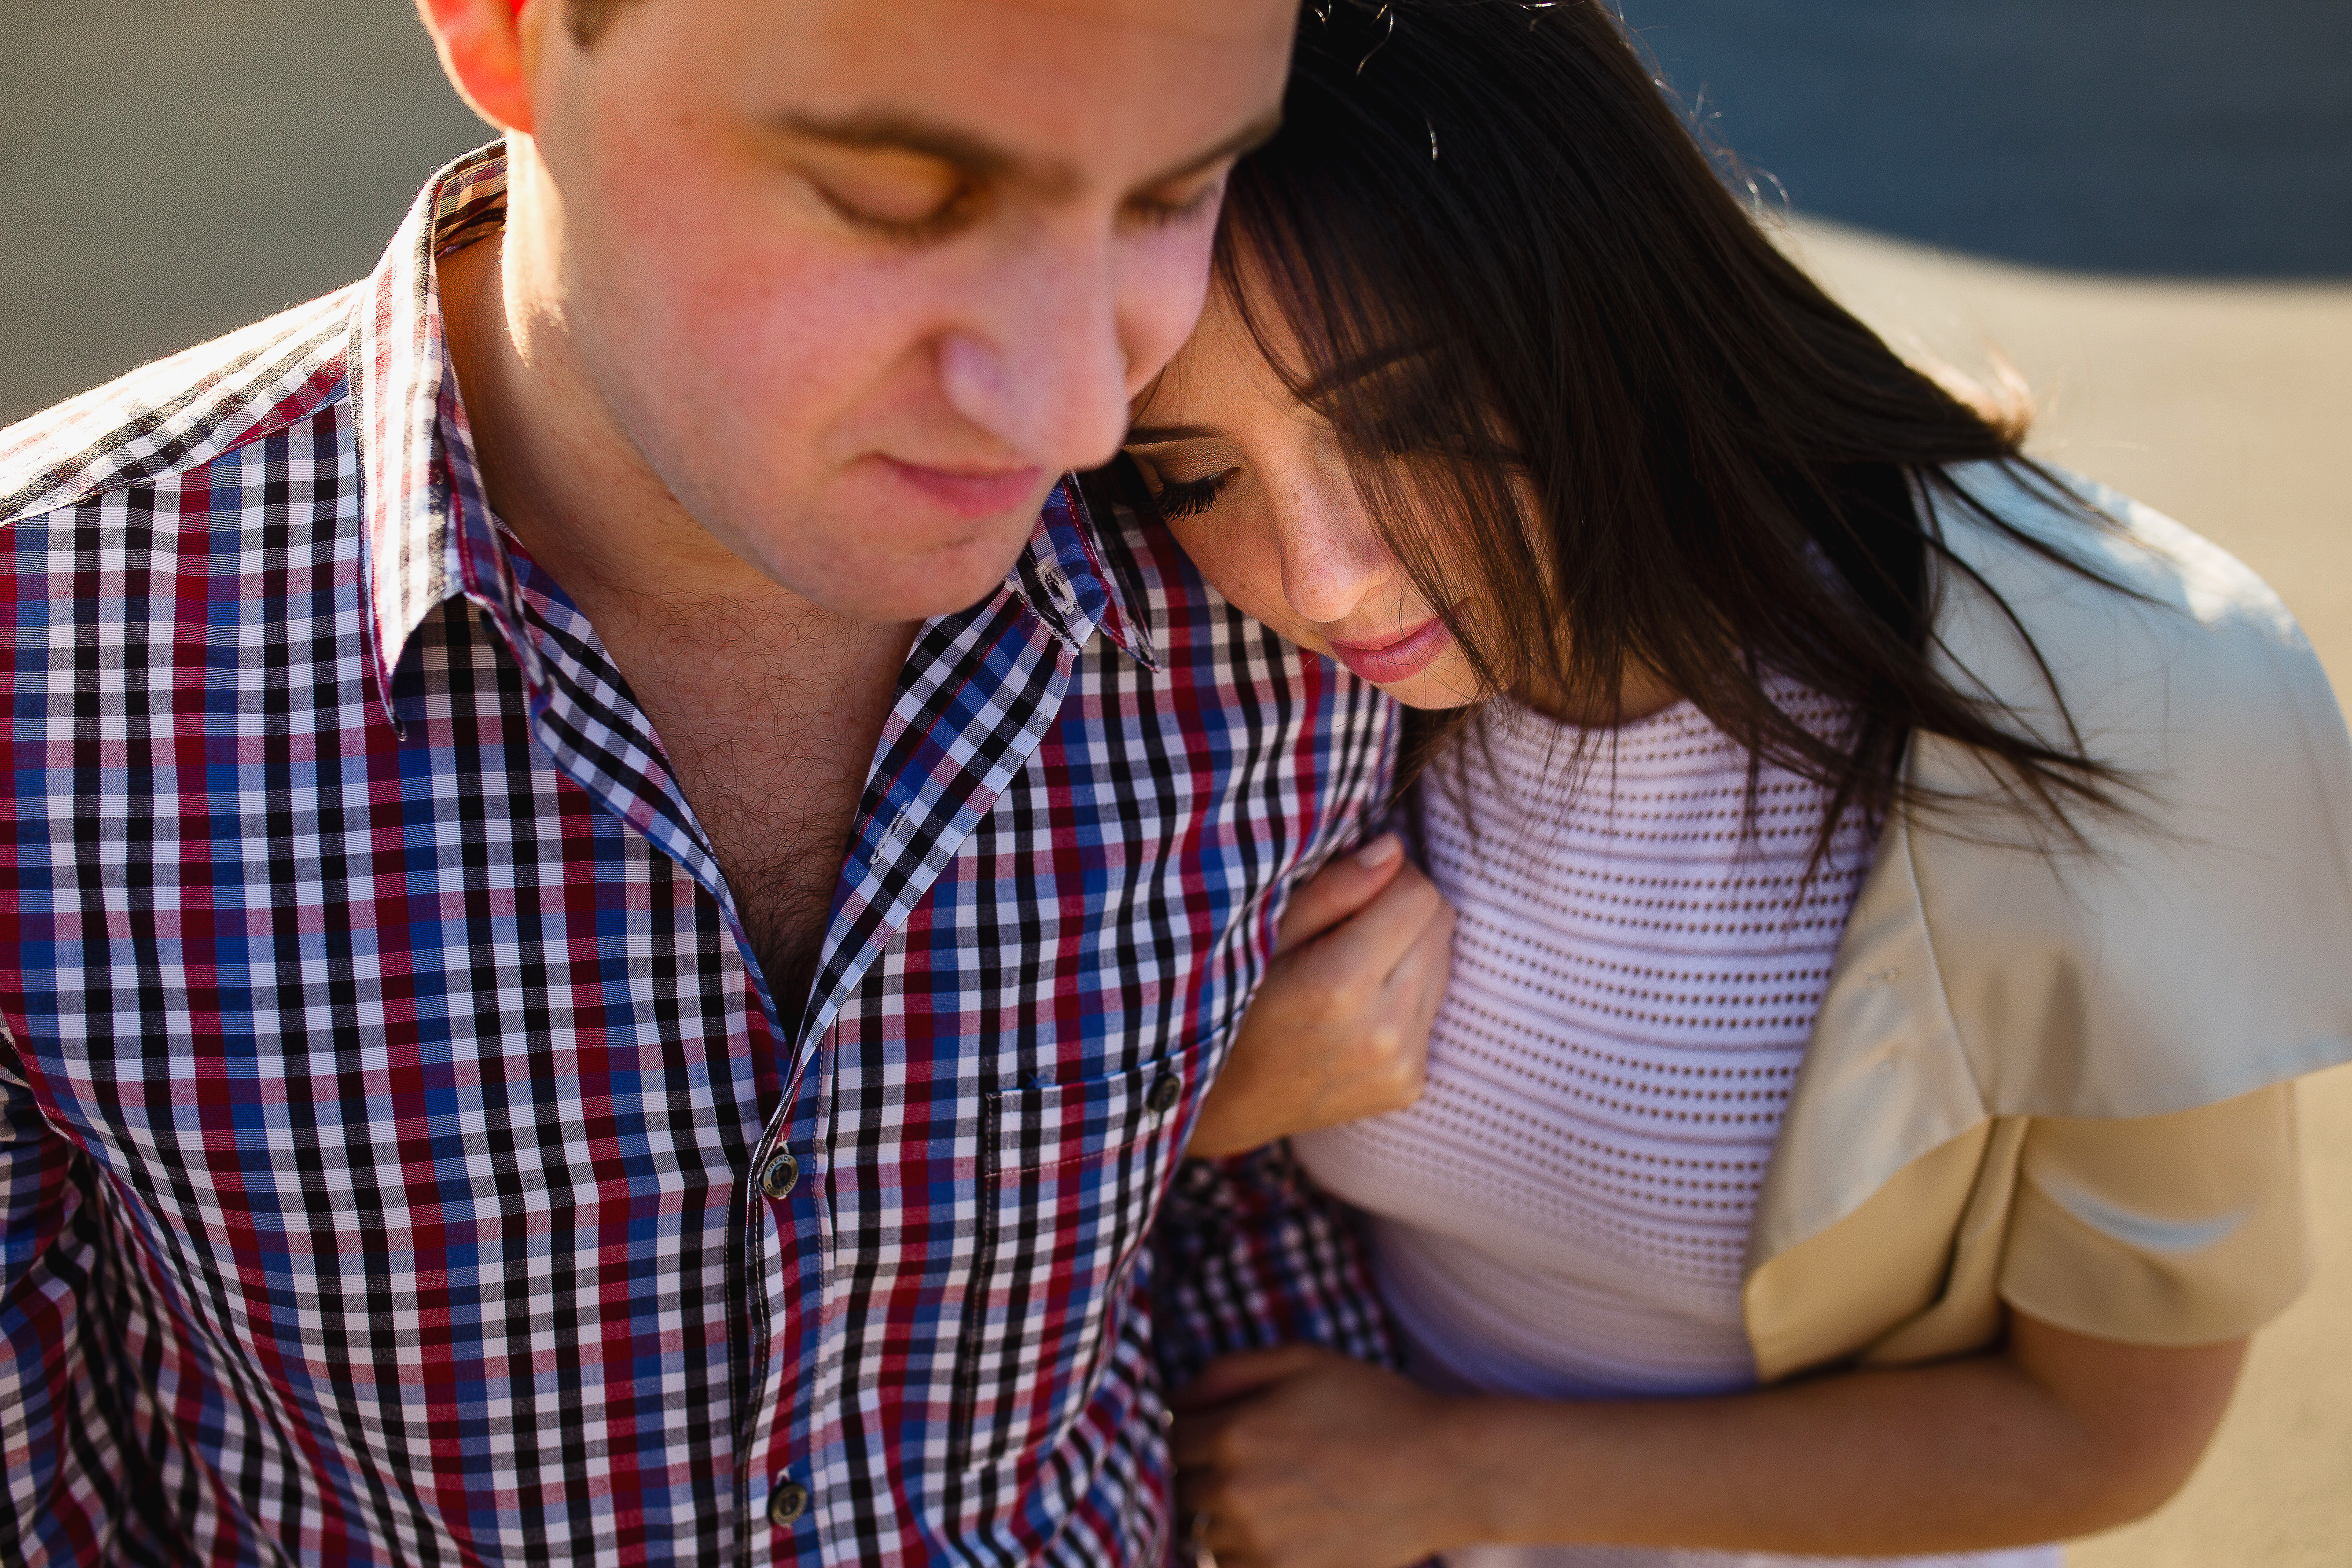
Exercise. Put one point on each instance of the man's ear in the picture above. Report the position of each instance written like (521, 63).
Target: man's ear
(487, 47)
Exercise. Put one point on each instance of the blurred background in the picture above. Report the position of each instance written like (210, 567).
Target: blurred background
(2143, 209)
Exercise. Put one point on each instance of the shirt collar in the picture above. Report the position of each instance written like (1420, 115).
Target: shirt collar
(1065, 578)
(428, 531)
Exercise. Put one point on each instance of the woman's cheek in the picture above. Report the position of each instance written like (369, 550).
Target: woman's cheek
(1248, 571)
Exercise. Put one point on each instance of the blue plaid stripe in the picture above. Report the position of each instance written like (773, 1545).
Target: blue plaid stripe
(385, 1070)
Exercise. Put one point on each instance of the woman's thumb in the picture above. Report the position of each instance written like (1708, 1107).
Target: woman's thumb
(1339, 890)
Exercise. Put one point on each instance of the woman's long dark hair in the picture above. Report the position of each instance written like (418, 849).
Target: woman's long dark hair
(1513, 283)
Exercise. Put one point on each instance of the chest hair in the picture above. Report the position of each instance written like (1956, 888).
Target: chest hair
(770, 723)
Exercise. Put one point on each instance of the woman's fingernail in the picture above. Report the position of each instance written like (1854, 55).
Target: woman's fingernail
(1380, 852)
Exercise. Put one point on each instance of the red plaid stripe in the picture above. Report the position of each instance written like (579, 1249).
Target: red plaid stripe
(386, 1077)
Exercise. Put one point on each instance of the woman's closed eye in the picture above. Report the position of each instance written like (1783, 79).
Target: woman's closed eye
(1190, 498)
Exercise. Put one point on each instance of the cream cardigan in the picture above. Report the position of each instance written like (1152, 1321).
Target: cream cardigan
(2060, 1079)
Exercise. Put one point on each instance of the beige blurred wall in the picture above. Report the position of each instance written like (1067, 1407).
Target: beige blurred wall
(2229, 407)
(171, 170)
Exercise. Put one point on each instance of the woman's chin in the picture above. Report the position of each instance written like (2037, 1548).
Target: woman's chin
(1437, 687)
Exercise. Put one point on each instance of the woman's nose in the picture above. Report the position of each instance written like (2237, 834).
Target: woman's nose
(1333, 559)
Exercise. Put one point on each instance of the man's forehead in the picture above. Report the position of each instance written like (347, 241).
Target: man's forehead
(1198, 29)
(1236, 20)
(1064, 83)
(1263, 23)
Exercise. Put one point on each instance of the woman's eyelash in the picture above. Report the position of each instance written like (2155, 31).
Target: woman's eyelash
(1190, 497)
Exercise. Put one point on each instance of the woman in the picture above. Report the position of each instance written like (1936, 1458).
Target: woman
(1896, 885)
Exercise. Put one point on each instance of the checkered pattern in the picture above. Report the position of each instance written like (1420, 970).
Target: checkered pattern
(386, 1071)
(1229, 1248)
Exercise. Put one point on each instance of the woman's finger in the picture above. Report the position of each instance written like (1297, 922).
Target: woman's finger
(1244, 1373)
(1193, 1443)
(1416, 984)
(1339, 890)
(1375, 938)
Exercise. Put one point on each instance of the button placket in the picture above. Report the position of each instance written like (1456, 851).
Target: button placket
(778, 1397)
(778, 1176)
(1165, 1091)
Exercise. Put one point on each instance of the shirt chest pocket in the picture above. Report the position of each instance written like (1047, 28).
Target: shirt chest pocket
(1069, 1173)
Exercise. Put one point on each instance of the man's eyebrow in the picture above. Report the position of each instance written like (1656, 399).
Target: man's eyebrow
(885, 130)
(1247, 140)
(1155, 434)
(976, 158)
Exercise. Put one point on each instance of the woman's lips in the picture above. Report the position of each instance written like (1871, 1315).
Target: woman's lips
(1401, 657)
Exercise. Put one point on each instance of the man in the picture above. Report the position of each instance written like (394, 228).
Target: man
(613, 919)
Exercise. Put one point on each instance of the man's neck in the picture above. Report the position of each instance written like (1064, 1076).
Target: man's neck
(767, 705)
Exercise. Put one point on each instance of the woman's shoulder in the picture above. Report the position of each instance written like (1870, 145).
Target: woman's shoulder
(2090, 615)
(2189, 947)
(2075, 557)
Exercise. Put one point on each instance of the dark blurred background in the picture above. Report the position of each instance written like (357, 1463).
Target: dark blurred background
(172, 169)
(2187, 138)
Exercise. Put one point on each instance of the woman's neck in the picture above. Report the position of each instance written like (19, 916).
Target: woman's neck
(1640, 694)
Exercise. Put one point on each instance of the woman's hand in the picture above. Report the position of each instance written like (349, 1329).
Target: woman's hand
(1341, 1028)
(1298, 1457)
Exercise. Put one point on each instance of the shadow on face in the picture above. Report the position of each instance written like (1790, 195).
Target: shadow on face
(858, 282)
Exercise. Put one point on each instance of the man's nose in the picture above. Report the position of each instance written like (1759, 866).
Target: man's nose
(1047, 374)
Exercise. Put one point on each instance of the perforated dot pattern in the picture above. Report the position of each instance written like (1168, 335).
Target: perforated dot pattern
(1637, 968)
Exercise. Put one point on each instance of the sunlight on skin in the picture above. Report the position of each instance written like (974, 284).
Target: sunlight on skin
(831, 294)
(1256, 488)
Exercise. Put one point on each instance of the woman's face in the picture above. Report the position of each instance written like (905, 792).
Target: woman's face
(1256, 488)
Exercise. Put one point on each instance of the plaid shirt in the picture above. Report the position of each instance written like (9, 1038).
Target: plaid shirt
(403, 1158)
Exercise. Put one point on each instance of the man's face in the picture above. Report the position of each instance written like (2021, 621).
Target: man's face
(860, 279)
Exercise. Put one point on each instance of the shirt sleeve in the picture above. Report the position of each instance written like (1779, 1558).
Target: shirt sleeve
(57, 1501)
(1249, 1253)
(2161, 1230)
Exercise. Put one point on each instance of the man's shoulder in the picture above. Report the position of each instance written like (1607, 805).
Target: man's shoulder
(1173, 615)
(178, 413)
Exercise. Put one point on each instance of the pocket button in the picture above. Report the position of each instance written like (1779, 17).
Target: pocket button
(1165, 1092)
(787, 1502)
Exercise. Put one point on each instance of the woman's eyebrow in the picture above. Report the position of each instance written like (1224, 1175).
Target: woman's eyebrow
(1362, 368)
(1153, 434)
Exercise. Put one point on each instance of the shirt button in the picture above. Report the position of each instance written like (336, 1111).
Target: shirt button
(1165, 1092)
(787, 1502)
(776, 1180)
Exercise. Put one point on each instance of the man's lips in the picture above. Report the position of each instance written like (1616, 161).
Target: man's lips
(1400, 658)
(969, 492)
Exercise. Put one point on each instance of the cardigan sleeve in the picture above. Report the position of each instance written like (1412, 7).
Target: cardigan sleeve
(2180, 1229)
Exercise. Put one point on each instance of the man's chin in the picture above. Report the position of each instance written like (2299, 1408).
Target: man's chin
(876, 584)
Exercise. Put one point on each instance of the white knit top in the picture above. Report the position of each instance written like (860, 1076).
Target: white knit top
(1565, 1212)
